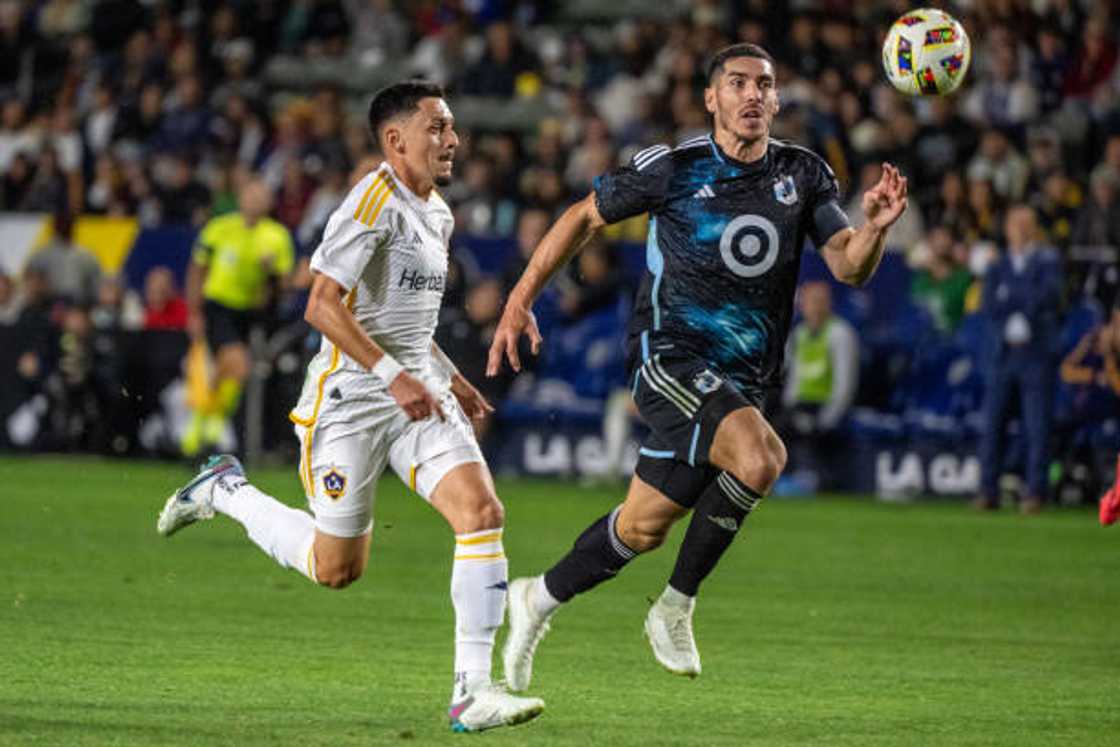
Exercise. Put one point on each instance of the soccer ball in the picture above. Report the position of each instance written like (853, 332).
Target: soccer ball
(926, 53)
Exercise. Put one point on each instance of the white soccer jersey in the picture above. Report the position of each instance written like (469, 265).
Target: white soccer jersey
(388, 248)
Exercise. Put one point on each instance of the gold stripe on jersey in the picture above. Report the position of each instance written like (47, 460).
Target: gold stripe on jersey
(309, 423)
(482, 539)
(482, 556)
(412, 478)
(376, 203)
(380, 185)
(362, 203)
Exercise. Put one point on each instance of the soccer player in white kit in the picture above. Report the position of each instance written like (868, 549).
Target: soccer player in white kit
(381, 393)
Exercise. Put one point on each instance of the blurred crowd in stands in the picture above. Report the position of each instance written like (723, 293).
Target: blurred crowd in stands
(161, 109)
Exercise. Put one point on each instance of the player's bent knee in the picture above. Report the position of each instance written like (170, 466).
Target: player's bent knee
(642, 536)
(759, 470)
(780, 455)
(492, 514)
(480, 515)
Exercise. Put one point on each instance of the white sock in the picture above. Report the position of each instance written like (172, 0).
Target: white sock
(284, 533)
(540, 599)
(478, 592)
(674, 598)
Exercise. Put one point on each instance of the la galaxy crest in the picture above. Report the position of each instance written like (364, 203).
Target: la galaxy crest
(334, 483)
(785, 191)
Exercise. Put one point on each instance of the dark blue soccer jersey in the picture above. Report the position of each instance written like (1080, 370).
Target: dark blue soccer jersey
(724, 249)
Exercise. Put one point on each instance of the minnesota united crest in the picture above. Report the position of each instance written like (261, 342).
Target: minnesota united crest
(334, 483)
(706, 382)
(785, 191)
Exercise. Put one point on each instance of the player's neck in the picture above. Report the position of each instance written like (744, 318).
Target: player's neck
(741, 150)
(420, 186)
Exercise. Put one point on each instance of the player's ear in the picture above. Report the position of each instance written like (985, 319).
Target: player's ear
(394, 138)
(710, 98)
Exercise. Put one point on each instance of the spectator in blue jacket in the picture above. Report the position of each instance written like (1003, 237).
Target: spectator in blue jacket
(1022, 299)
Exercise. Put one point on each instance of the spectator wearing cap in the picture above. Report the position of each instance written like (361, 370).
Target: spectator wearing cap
(1022, 297)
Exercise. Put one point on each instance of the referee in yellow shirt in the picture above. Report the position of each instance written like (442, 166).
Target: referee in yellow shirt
(235, 260)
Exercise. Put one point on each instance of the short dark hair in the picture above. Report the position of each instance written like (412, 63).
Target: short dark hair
(715, 64)
(399, 98)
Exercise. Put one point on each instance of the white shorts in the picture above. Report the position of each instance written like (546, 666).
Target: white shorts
(353, 431)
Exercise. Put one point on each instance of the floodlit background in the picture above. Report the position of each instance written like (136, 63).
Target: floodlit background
(141, 119)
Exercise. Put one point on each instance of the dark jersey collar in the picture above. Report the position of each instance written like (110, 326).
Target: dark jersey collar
(754, 167)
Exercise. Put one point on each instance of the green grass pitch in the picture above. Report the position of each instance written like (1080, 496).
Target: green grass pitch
(831, 621)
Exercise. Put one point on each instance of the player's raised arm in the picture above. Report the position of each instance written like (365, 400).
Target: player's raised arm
(852, 255)
(566, 237)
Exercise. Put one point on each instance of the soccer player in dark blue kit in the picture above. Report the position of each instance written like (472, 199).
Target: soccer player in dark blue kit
(729, 215)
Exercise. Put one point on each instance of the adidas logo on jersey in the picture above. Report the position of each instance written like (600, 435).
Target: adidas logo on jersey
(705, 192)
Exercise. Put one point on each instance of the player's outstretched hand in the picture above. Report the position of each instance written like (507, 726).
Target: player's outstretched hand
(414, 398)
(883, 203)
(516, 321)
(470, 399)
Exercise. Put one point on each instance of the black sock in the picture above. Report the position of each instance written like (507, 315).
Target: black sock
(597, 555)
(715, 521)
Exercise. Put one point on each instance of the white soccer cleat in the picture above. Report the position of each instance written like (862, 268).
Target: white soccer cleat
(195, 500)
(669, 629)
(491, 706)
(526, 629)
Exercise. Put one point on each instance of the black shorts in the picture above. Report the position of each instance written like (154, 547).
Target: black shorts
(225, 326)
(683, 399)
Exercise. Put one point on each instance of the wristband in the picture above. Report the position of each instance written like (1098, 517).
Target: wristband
(386, 369)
